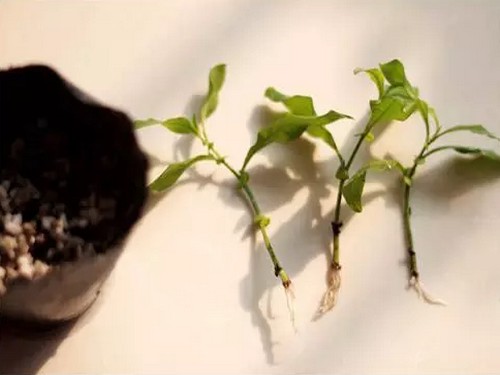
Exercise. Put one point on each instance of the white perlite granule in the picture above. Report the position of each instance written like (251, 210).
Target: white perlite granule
(48, 231)
(15, 258)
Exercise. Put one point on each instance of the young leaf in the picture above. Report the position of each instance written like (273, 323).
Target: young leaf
(476, 129)
(322, 133)
(145, 123)
(215, 81)
(179, 125)
(272, 94)
(388, 109)
(383, 165)
(174, 172)
(353, 189)
(489, 154)
(299, 105)
(288, 128)
(401, 92)
(394, 72)
(376, 76)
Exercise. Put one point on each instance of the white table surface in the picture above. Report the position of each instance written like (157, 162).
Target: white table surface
(192, 290)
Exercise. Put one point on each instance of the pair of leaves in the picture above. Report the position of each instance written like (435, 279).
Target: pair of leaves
(291, 127)
(179, 125)
(182, 125)
(353, 188)
(174, 171)
(301, 118)
(475, 129)
(397, 100)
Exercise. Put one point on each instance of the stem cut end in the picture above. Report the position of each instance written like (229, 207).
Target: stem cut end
(416, 285)
(329, 299)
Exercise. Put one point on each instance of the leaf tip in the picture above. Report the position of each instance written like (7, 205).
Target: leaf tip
(358, 70)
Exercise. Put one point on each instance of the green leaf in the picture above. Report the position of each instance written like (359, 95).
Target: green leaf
(394, 72)
(272, 94)
(138, 124)
(383, 165)
(476, 129)
(376, 76)
(318, 131)
(489, 154)
(288, 128)
(407, 180)
(300, 105)
(174, 172)
(353, 189)
(215, 81)
(179, 125)
(401, 92)
(388, 109)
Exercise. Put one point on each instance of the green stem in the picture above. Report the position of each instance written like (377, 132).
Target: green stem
(337, 223)
(257, 213)
(410, 248)
(336, 228)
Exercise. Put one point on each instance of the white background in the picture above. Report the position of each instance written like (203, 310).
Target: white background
(192, 291)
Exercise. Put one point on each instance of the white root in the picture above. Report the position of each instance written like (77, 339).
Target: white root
(290, 301)
(416, 285)
(329, 299)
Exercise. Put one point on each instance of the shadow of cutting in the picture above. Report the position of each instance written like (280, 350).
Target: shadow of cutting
(293, 170)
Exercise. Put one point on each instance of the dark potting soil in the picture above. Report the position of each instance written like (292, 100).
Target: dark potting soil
(72, 176)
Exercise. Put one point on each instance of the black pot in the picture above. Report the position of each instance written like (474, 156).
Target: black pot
(45, 120)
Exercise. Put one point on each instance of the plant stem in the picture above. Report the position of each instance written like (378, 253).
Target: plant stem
(412, 256)
(413, 273)
(336, 227)
(337, 223)
(279, 271)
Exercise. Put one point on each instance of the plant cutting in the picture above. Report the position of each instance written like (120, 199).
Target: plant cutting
(286, 128)
(395, 102)
(398, 99)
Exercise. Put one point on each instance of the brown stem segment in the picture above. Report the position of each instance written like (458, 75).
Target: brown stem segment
(412, 256)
